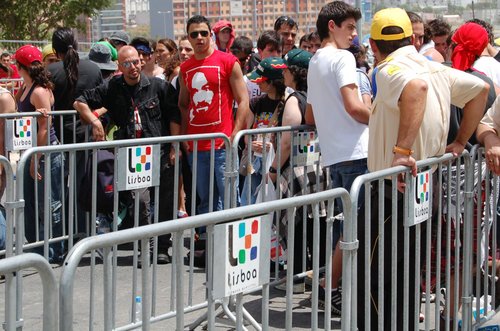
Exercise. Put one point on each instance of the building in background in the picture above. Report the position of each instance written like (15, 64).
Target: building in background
(107, 21)
(249, 17)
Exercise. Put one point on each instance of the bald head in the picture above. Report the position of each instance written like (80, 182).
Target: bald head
(126, 52)
(129, 64)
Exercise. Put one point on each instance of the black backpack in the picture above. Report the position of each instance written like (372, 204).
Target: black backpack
(105, 183)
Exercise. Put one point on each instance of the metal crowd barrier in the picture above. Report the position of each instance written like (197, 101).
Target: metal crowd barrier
(216, 252)
(485, 250)
(69, 223)
(10, 267)
(297, 152)
(383, 277)
(13, 45)
(11, 84)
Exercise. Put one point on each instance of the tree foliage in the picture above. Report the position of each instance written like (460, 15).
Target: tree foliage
(35, 19)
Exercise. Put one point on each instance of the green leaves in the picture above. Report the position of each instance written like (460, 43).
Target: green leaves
(35, 19)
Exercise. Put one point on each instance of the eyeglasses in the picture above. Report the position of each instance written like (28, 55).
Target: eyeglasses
(194, 34)
(129, 64)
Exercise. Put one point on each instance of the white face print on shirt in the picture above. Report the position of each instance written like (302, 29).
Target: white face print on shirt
(202, 95)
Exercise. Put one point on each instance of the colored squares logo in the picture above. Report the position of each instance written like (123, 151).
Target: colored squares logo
(143, 158)
(23, 128)
(423, 184)
(249, 250)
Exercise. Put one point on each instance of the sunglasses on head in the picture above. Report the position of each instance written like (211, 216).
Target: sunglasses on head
(194, 34)
(128, 64)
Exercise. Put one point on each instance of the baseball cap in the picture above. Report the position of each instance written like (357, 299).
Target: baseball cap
(101, 55)
(120, 36)
(390, 17)
(269, 68)
(143, 48)
(47, 50)
(28, 54)
(114, 52)
(298, 57)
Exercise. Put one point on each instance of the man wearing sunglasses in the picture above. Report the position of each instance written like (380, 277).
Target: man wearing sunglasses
(140, 107)
(209, 82)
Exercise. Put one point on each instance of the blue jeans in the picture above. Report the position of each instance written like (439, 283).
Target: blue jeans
(56, 250)
(256, 179)
(203, 179)
(343, 175)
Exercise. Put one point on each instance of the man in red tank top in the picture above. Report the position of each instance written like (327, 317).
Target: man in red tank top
(209, 81)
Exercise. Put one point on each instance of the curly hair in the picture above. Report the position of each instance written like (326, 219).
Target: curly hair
(169, 44)
(299, 77)
(172, 63)
(39, 75)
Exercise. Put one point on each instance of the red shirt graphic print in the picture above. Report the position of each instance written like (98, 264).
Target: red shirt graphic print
(211, 97)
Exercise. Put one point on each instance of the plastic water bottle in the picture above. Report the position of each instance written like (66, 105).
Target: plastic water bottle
(104, 226)
(138, 309)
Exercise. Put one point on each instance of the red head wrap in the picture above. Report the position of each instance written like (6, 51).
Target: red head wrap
(471, 39)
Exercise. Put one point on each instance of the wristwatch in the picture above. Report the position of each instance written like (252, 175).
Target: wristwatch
(273, 170)
(403, 151)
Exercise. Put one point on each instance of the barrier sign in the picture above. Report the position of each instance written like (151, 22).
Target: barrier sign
(19, 134)
(138, 167)
(305, 149)
(241, 256)
(422, 208)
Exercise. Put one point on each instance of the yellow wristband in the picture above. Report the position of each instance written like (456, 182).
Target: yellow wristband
(403, 151)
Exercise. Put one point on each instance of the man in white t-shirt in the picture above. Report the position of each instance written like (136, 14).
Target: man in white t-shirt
(335, 106)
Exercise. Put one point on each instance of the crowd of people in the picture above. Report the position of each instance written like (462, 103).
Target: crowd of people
(425, 94)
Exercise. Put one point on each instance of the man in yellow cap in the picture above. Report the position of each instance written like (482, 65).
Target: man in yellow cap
(409, 122)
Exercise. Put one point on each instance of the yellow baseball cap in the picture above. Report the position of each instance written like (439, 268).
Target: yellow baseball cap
(47, 50)
(390, 17)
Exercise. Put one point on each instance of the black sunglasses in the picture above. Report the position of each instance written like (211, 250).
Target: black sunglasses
(194, 34)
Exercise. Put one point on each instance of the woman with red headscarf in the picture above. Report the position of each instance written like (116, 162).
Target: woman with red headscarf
(470, 52)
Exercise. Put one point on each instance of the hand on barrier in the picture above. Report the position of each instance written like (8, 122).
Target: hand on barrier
(43, 111)
(456, 148)
(97, 130)
(407, 161)
(493, 159)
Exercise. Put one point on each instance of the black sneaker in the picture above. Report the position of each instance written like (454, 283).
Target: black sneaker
(336, 306)
(163, 258)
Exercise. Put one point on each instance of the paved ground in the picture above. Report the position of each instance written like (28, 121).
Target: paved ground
(85, 288)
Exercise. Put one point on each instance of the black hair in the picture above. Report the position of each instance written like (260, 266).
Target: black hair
(487, 26)
(242, 44)
(439, 27)
(303, 39)
(300, 77)
(386, 47)
(427, 33)
(313, 35)
(285, 20)
(140, 41)
(336, 11)
(39, 75)
(198, 19)
(269, 37)
(279, 85)
(66, 46)
(4, 54)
